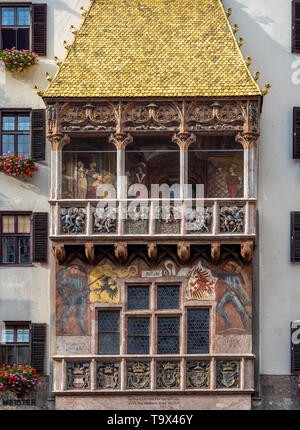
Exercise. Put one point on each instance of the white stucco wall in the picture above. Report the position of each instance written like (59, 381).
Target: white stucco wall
(25, 291)
(266, 29)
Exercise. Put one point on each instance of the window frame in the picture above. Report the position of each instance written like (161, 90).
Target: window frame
(153, 313)
(16, 344)
(16, 235)
(16, 113)
(15, 6)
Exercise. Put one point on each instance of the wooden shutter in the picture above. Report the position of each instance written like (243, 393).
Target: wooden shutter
(38, 347)
(39, 29)
(38, 134)
(40, 237)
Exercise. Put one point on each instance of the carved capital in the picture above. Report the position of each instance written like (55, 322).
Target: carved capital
(184, 252)
(152, 251)
(247, 251)
(90, 252)
(215, 251)
(121, 252)
(59, 252)
(120, 140)
(246, 139)
(58, 141)
(184, 140)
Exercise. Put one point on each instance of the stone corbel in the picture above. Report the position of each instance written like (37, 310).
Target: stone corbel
(215, 252)
(121, 252)
(247, 140)
(58, 141)
(120, 140)
(152, 251)
(184, 252)
(184, 140)
(247, 251)
(90, 252)
(59, 252)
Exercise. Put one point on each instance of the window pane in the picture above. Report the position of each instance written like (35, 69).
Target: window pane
(8, 143)
(8, 250)
(23, 144)
(198, 331)
(8, 334)
(109, 328)
(22, 334)
(168, 297)
(8, 16)
(168, 345)
(139, 325)
(138, 297)
(22, 38)
(22, 354)
(168, 335)
(23, 224)
(137, 343)
(8, 354)
(23, 17)
(24, 250)
(24, 122)
(168, 325)
(8, 122)
(8, 224)
(9, 38)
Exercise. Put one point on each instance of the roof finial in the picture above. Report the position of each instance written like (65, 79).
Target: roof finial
(57, 61)
(73, 29)
(248, 61)
(235, 28)
(229, 12)
(266, 90)
(38, 91)
(240, 42)
(66, 45)
(82, 11)
(256, 76)
(48, 77)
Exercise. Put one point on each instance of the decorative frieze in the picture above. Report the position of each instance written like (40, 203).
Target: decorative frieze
(198, 374)
(231, 219)
(228, 374)
(78, 376)
(168, 374)
(105, 221)
(138, 375)
(168, 221)
(108, 375)
(73, 220)
(199, 221)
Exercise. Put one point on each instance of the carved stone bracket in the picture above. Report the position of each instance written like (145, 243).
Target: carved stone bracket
(58, 141)
(247, 140)
(152, 251)
(59, 252)
(120, 140)
(90, 252)
(184, 252)
(247, 251)
(121, 252)
(215, 252)
(184, 140)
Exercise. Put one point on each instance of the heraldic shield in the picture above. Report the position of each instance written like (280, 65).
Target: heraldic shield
(228, 374)
(198, 374)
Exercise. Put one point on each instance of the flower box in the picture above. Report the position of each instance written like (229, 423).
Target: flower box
(19, 166)
(18, 61)
(19, 379)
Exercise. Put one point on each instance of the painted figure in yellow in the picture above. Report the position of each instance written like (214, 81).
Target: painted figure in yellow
(103, 283)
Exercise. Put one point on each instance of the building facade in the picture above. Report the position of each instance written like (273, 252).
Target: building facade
(152, 294)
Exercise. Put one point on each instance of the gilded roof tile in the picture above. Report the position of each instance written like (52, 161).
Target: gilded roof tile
(154, 48)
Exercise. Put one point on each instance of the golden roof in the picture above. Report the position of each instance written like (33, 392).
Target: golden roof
(154, 48)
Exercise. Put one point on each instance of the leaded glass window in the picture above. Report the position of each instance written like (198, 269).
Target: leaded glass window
(109, 331)
(138, 297)
(138, 335)
(198, 331)
(168, 335)
(168, 297)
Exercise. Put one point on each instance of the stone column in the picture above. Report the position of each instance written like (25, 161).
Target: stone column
(248, 141)
(58, 141)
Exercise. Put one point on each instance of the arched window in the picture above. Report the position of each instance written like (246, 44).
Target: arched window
(217, 162)
(86, 164)
(152, 160)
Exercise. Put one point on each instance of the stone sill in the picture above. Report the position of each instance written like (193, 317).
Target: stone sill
(151, 392)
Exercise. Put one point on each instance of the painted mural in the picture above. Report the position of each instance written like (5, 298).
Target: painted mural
(227, 284)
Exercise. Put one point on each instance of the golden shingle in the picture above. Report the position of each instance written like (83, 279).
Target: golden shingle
(154, 48)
